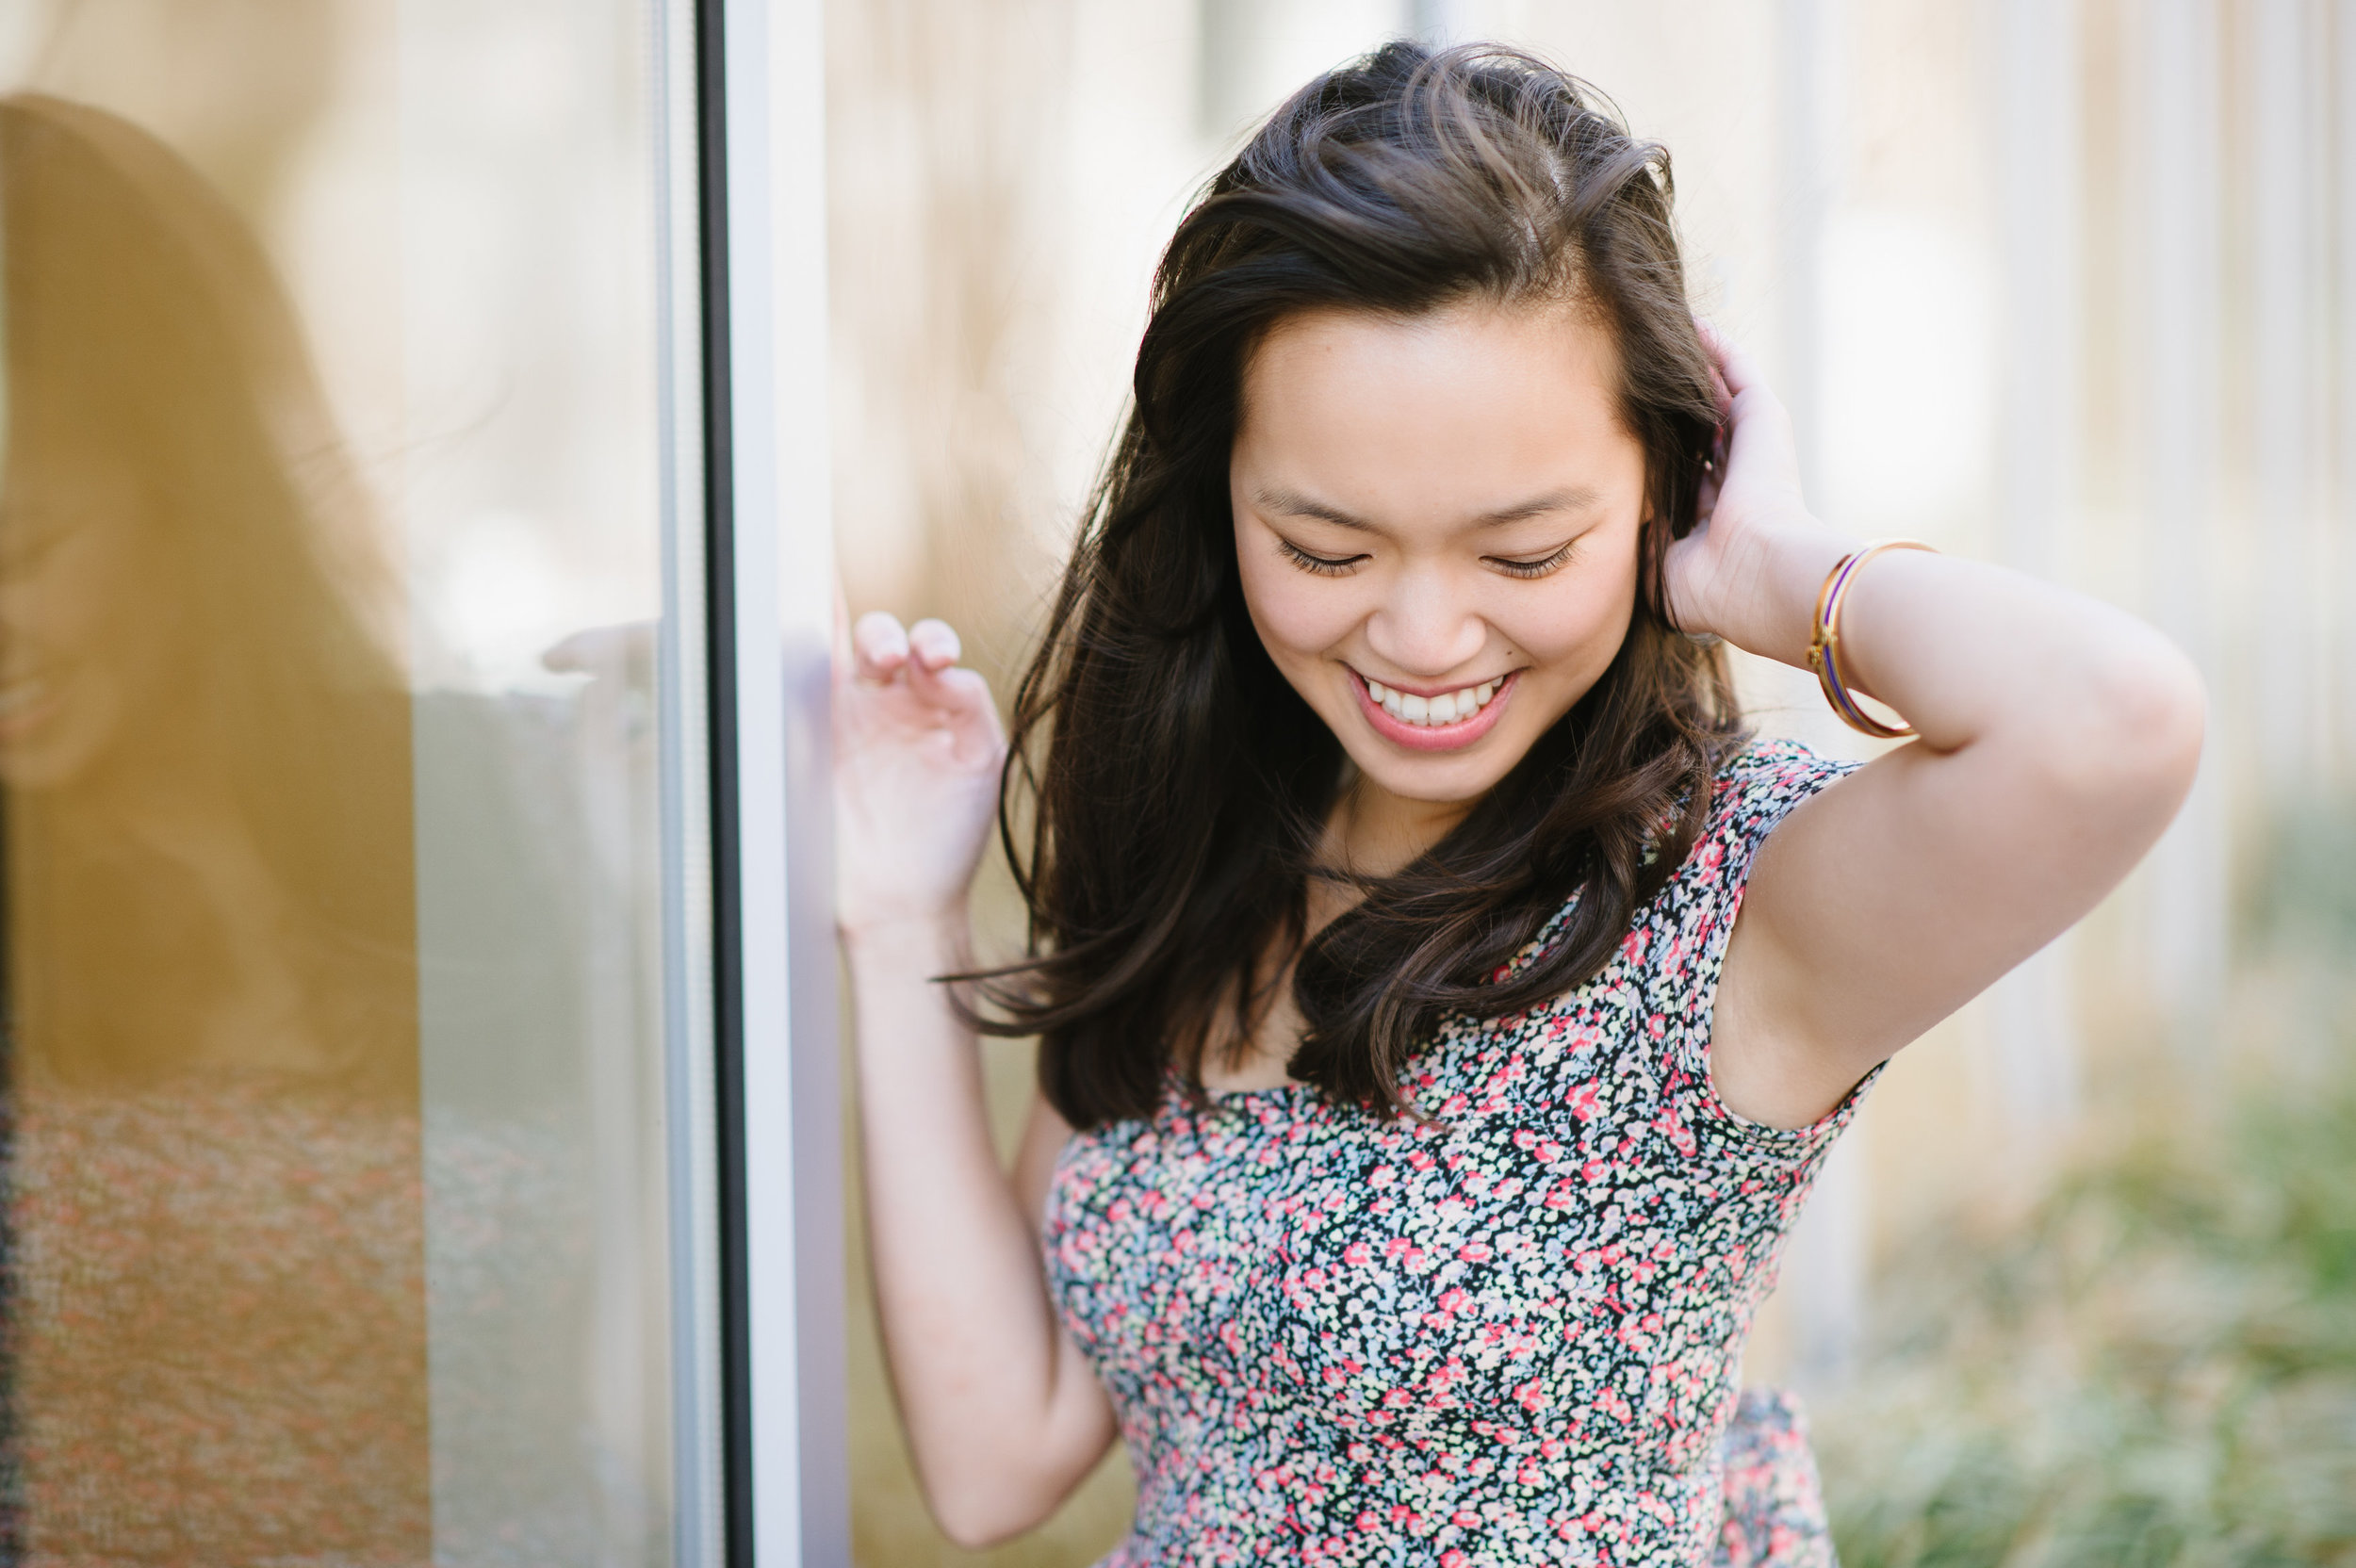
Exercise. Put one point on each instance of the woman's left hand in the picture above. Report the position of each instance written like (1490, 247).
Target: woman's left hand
(1752, 492)
(2058, 737)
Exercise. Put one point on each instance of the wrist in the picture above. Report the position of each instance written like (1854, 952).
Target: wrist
(942, 937)
(1765, 601)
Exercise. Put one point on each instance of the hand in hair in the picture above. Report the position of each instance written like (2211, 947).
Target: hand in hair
(2058, 737)
(1752, 485)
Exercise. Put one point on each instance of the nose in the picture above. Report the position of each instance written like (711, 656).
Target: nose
(1425, 626)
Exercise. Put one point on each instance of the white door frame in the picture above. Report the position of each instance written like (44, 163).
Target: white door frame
(762, 1475)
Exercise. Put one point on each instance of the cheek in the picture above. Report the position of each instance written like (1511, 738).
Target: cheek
(101, 610)
(91, 597)
(1298, 614)
(1576, 618)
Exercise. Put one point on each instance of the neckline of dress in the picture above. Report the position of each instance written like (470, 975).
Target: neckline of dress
(1287, 1086)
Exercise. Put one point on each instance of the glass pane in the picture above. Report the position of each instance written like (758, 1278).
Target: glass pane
(331, 560)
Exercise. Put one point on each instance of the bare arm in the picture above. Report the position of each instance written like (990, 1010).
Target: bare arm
(2058, 736)
(1003, 1413)
(1044, 1134)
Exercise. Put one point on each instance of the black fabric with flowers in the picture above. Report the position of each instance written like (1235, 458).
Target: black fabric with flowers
(1507, 1335)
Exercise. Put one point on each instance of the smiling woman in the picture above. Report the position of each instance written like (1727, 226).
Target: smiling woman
(1444, 1010)
(1447, 625)
(1394, 428)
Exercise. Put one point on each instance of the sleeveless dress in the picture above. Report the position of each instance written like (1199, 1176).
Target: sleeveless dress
(1509, 1335)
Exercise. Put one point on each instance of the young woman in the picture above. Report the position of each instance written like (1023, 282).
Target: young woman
(1443, 1007)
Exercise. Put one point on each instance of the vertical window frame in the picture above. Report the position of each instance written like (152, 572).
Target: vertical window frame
(762, 1469)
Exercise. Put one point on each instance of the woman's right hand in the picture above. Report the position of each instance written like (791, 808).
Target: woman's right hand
(1003, 1417)
(917, 751)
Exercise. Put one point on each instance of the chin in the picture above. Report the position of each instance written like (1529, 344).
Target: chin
(1439, 781)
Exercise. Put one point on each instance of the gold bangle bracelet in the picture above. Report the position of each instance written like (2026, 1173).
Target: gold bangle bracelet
(1824, 644)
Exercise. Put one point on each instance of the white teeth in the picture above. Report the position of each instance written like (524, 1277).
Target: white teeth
(1447, 708)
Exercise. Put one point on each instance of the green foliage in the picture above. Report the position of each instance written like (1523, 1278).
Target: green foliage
(2303, 895)
(2157, 1370)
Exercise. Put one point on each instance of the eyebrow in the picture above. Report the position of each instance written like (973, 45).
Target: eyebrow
(1292, 503)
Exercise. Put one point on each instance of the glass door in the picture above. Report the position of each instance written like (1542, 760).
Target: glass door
(383, 905)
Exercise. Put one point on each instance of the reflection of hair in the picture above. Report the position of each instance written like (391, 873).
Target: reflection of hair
(146, 331)
(1179, 797)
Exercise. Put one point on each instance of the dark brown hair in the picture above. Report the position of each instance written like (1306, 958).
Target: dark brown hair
(1178, 785)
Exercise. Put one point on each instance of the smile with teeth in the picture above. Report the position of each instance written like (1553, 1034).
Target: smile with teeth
(1447, 708)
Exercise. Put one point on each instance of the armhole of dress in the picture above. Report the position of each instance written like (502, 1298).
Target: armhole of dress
(1740, 849)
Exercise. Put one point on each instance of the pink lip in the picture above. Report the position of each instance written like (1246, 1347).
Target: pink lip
(1438, 737)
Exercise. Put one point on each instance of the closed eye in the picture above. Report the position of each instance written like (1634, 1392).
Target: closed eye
(1539, 567)
(1321, 564)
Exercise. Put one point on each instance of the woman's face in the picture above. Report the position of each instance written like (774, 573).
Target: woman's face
(1436, 521)
(85, 618)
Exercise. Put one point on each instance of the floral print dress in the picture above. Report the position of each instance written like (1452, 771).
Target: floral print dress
(1507, 1335)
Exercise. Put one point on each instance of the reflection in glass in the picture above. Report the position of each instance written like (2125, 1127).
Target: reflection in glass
(336, 1141)
(204, 736)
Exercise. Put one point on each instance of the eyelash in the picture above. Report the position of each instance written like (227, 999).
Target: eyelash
(1536, 568)
(1327, 566)
(1320, 564)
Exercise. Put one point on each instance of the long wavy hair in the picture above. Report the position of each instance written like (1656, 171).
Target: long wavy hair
(1166, 789)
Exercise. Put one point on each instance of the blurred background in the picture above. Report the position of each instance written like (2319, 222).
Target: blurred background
(2068, 285)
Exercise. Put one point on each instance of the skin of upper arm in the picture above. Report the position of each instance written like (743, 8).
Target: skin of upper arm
(1044, 1134)
(1898, 893)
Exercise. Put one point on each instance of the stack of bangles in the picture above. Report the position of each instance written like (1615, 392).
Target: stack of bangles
(1823, 646)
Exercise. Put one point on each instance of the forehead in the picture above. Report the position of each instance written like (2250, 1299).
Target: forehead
(1475, 397)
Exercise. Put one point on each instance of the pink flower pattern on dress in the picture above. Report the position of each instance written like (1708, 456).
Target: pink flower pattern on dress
(1507, 1335)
